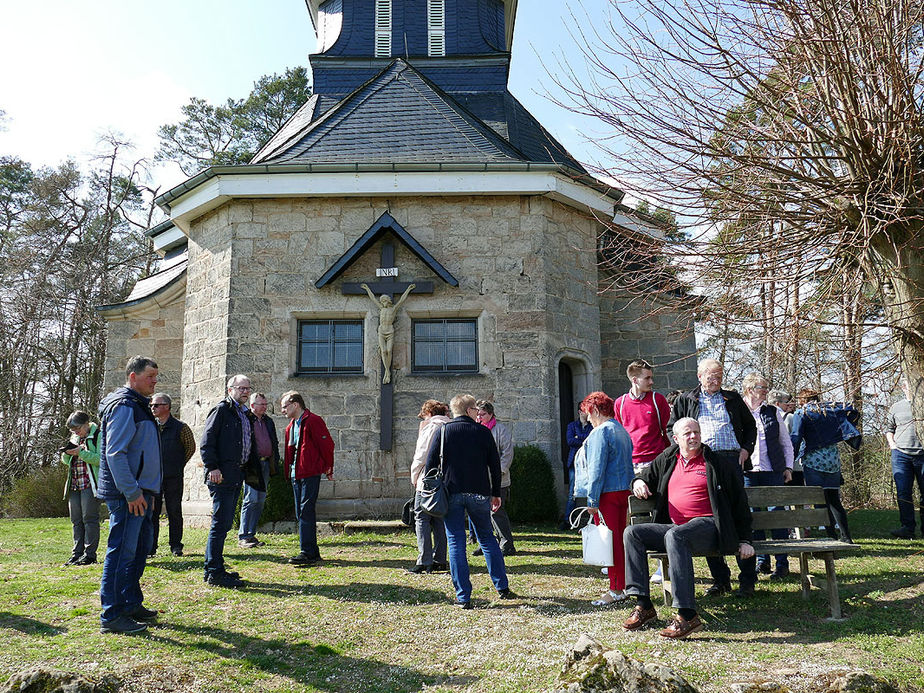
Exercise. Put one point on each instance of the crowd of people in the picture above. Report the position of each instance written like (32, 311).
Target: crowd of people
(693, 451)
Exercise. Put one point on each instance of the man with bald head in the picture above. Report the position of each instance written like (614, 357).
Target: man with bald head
(229, 455)
(700, 508)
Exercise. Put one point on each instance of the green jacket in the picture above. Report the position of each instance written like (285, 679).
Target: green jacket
(90, 456)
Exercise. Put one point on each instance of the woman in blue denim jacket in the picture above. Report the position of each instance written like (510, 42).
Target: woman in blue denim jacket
(817, 428)
(603, 473)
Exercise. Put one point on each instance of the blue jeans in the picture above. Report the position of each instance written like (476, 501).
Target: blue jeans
(570, 502)
(306, 497)
(905, 470)
(224, 505)
(130, 539)
(782, 560)
(479, 512)
(680, 542)
(252, 507)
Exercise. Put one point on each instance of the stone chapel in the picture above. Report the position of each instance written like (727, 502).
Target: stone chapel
(411, 164)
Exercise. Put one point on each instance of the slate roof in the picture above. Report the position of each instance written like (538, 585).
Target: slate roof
(172, 270)
(400, 116)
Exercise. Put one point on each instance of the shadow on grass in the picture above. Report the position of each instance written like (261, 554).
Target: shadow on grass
(352, 591)
(29, 626)
(317, 665)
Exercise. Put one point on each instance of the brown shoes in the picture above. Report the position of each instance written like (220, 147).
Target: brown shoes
(679, 627)
(639, 617)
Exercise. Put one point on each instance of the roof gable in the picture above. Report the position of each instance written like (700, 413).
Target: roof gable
(398, 116)
(384, 225)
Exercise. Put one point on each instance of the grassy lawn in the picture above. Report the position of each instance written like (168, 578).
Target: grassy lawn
(359, 622)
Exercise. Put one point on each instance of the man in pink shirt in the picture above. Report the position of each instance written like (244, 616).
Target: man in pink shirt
(644, 413)
(700, 509)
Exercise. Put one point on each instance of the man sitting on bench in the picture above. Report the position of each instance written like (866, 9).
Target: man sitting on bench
(701, 509)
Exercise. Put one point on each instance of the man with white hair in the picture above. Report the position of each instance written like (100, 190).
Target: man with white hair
(728, 428)
(228, 455)
(700, 508)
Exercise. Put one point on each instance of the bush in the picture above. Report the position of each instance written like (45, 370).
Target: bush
(532, 487)
(37, 494)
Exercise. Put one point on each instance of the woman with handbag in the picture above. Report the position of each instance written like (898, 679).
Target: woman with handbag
(603, 473)
(431, 553)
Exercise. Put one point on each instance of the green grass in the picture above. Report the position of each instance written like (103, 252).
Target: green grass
(359, 622)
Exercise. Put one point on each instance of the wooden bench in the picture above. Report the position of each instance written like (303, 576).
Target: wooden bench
(793, 514)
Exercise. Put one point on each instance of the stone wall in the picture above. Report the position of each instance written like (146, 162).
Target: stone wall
(631, 329)
(154, 331)
(526, 268)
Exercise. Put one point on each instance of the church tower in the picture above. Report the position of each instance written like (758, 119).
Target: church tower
(413, 171)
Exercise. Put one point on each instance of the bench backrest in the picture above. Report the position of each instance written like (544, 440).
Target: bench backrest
(788, 499)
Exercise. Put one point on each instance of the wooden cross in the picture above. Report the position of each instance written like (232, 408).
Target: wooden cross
(388, 284)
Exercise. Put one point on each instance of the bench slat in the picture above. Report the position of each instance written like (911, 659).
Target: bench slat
(766, 496)
(786, 519)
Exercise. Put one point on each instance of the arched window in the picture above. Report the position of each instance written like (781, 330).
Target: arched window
(330, 22)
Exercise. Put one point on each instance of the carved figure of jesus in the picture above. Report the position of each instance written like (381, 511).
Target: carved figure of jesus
(387, 314)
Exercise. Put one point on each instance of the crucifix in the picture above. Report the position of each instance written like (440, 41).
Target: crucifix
(386, 288)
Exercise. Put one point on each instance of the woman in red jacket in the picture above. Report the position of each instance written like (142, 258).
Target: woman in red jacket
(309, 453)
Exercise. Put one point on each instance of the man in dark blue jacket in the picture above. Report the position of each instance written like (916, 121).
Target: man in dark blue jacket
(467, 454)
(129, 478)
(227, 454)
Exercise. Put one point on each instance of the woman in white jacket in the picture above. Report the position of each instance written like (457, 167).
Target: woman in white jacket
(431, 554)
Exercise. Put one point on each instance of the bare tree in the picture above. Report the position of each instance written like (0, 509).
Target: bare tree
(68, 242)
(788, 135)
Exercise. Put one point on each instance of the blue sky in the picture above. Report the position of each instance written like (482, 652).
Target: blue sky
(73, 71)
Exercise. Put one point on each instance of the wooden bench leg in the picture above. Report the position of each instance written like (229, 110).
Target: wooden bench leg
(804, 575)
(666, 583)
(834, 598)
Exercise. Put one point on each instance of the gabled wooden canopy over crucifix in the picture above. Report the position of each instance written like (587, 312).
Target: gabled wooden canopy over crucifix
(386, 286)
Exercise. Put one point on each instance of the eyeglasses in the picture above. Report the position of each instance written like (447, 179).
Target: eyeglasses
(242, 388)
(287, 404)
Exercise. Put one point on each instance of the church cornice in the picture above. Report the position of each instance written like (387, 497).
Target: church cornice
(216, 185)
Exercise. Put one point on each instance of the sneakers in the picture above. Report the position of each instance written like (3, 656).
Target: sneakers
(72, 560)
(718, 589)
(141, 613)
(303, 559)
(123, 625)
(85, 560)
(464, 605)
(679, 627)
(639, 617)
(506, 593)
(609, 598)
(418, 569)
(250, 543)
(224, 580)
(902, 533)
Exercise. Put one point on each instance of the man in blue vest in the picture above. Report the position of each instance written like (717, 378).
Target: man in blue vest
(177, 446)
(129, 478)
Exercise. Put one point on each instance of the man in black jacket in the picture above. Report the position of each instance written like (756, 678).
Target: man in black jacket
(468, 456)
(728, 428)
(701, 507)
(228, 455)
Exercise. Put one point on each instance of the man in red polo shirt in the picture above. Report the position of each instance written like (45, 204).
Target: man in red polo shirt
(700, 508)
